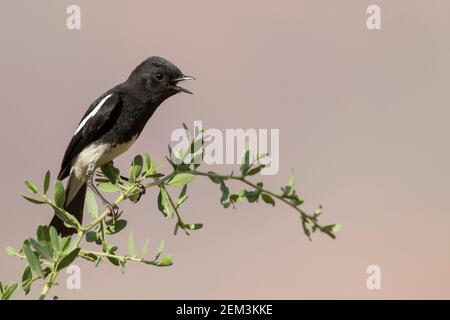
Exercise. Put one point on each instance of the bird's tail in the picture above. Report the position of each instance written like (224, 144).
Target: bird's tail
(75, 195)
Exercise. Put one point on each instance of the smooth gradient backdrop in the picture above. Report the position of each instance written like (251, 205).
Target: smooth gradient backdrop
(363, 118)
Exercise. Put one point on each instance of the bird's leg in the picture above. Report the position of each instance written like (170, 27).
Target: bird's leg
(113, 208)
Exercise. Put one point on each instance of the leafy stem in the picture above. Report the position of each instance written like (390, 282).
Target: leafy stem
(48, 254)
(48, 285)
(241, 178)
(121, 258)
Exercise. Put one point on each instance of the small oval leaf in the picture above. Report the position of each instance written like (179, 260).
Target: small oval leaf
(31, 187)
(60, 196)
(108, 187)
(32, 200)
(165, 262)
(181, 179)
(68, 259)
(46, 181)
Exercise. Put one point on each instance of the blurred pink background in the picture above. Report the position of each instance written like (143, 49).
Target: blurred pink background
(363, 118)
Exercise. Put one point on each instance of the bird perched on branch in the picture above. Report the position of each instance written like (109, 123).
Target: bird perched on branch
(110, 126)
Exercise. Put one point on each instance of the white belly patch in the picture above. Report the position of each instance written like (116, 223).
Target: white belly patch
(99, 154)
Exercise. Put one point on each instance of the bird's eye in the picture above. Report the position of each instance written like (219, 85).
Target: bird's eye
(159, 76)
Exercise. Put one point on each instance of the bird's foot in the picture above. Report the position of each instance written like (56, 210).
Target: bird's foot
(141, 188)
(114, 213)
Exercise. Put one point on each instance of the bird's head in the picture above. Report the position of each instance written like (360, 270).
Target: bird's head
(156, 79)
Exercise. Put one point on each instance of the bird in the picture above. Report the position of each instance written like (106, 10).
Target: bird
(110, 126)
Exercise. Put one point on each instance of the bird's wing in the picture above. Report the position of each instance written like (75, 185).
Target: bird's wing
(97, 120)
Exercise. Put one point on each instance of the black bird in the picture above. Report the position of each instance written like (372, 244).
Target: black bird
(110, 126)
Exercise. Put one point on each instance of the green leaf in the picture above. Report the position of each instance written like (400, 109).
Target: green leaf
(164, 204)
(91, 236)
(89, 256)
(11, 251)
(31, 187)
(8, 291)
(337, 228)
(331, 229)
(165, 262)
(112, 250)
(291, 180)
(46, 181)
(60, 195)
(293, 198)
(225, 199)
(182, 197)
(65, 244)
(198, 144)
(306, 229)
(43, 244)
(148, 161)
(194, 226)
(268, 199)
(42, 249)
(117, 227)
(255, 170)
(246, 163)
(155, 175)
(173, 159)
(43, 233)
(32, 200)
(160, 250)
(261, 156)
(151, 171)
(252, 196)
(68, 219)
(175, 230)
(68, 259)
(181, 179)
(108, 187)
(27, 278)
(214, 178)
(290, 187)
(33, 261)
(122, 265)
(149, 164)
(145, 248)
(92, 204)
(318, 212)
(237, 198)
(131, 248)
(183, 192)
(111, 172)
(181, 200)
(136, 168)
(54, 239)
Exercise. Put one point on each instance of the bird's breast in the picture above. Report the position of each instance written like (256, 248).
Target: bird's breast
(116, 150)
(99, 153)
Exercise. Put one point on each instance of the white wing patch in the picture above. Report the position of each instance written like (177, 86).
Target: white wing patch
(93, 113)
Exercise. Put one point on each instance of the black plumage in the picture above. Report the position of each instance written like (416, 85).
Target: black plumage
(110, 126)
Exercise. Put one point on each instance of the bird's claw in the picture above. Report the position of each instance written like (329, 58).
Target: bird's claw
(114, 213)
(141, 188)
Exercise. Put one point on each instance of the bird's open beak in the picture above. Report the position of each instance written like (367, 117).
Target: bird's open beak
(181, 89)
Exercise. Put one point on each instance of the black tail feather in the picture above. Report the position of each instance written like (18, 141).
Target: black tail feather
(75, 207)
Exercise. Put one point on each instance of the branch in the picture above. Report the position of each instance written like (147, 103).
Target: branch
(48, 254)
